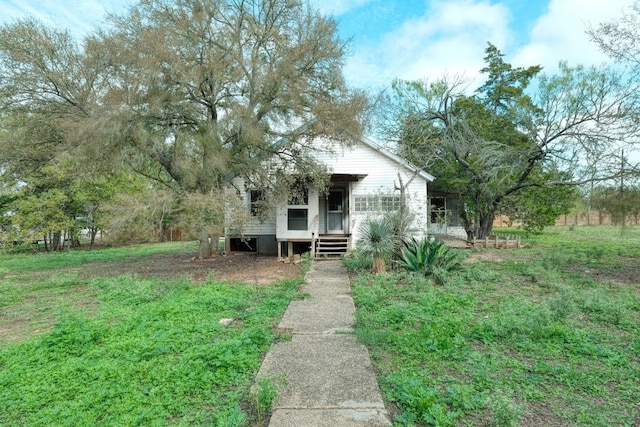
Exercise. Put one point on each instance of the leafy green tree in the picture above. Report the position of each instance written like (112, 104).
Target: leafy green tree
(212, 89)
(539, 207)
(48, 148)
(61, 198)
(8, 232)
(43, 215)
(618, 203)
(501, 141)
(189, 93)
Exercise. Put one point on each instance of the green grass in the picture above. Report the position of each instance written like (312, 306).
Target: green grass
(547, 335)
(127, 350)
(13, 263)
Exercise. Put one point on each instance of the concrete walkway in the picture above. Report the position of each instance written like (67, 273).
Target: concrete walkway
(329, 380)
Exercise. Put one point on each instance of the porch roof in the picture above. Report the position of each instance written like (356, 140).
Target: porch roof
(347, 177)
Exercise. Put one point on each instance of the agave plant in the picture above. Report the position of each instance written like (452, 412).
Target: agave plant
(376, 241)
(429, 257)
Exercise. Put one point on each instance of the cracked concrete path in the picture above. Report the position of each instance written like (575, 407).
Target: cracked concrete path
(328, 376)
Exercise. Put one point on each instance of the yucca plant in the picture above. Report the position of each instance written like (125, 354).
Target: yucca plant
(400, 223)
(430, 258)
(376, 241)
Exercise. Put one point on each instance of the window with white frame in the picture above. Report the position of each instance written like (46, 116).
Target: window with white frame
(376, 202)
(297, 219)
(389, 203)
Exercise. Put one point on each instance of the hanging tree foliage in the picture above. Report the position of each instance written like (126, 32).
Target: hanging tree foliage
(191, 93)
(505, 140)
(210, 90)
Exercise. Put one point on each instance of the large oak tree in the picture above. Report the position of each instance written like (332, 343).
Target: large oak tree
(210, 90)
(192, 93)
(519, 131)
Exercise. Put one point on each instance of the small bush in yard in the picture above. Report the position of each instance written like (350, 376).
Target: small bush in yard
(430, 258)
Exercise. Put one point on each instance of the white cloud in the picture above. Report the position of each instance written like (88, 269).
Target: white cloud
(78, 16)
(448, 39)
(560, 33)
(338, 7)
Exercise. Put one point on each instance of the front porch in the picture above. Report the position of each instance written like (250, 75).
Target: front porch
(316, 222)
(324, 246)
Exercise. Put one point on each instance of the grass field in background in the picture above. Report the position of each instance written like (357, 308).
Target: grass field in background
(545, 335)
(44, 261)
(127, 350)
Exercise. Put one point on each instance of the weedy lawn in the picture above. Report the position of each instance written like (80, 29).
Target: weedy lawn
(131, 350)
(541, 336)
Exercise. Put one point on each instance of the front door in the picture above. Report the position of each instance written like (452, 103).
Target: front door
(335, 211)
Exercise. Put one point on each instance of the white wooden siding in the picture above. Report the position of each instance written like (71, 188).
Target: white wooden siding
(282, 228)
(254, 227)
(380, 174)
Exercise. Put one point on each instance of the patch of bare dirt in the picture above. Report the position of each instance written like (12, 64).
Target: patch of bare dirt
(540, 414)
(237, 267)
(495, 255)
(627, 272)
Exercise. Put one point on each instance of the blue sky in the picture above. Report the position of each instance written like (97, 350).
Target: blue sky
(412, 39)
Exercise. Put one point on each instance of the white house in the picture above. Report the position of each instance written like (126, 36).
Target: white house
(363, 183)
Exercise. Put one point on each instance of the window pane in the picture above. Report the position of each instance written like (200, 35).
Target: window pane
(297, 219)
(258, 202)
(299, 193)
(335, 200)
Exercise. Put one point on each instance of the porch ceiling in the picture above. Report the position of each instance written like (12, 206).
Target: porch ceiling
(346, 177)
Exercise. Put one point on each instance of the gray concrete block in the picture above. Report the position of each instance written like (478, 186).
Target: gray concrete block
(329, 417)
(323, 372)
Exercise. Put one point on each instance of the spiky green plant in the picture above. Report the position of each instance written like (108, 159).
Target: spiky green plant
(376, 241)
(430, 257)
(400, 222)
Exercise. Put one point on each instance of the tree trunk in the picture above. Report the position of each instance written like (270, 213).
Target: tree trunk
(208, 245)
(469, 225)
(485, 224)
(92, 231)
(163, 232)
(55, 243)
(379, 265)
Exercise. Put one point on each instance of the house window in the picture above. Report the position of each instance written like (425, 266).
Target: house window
(297, 219)
(376, 203)
(299, 193)
(438, 209)
(389, 203)
(360, 204)
(258, 202)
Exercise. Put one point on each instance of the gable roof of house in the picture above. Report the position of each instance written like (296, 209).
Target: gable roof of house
(398, 159)
(377, 147)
